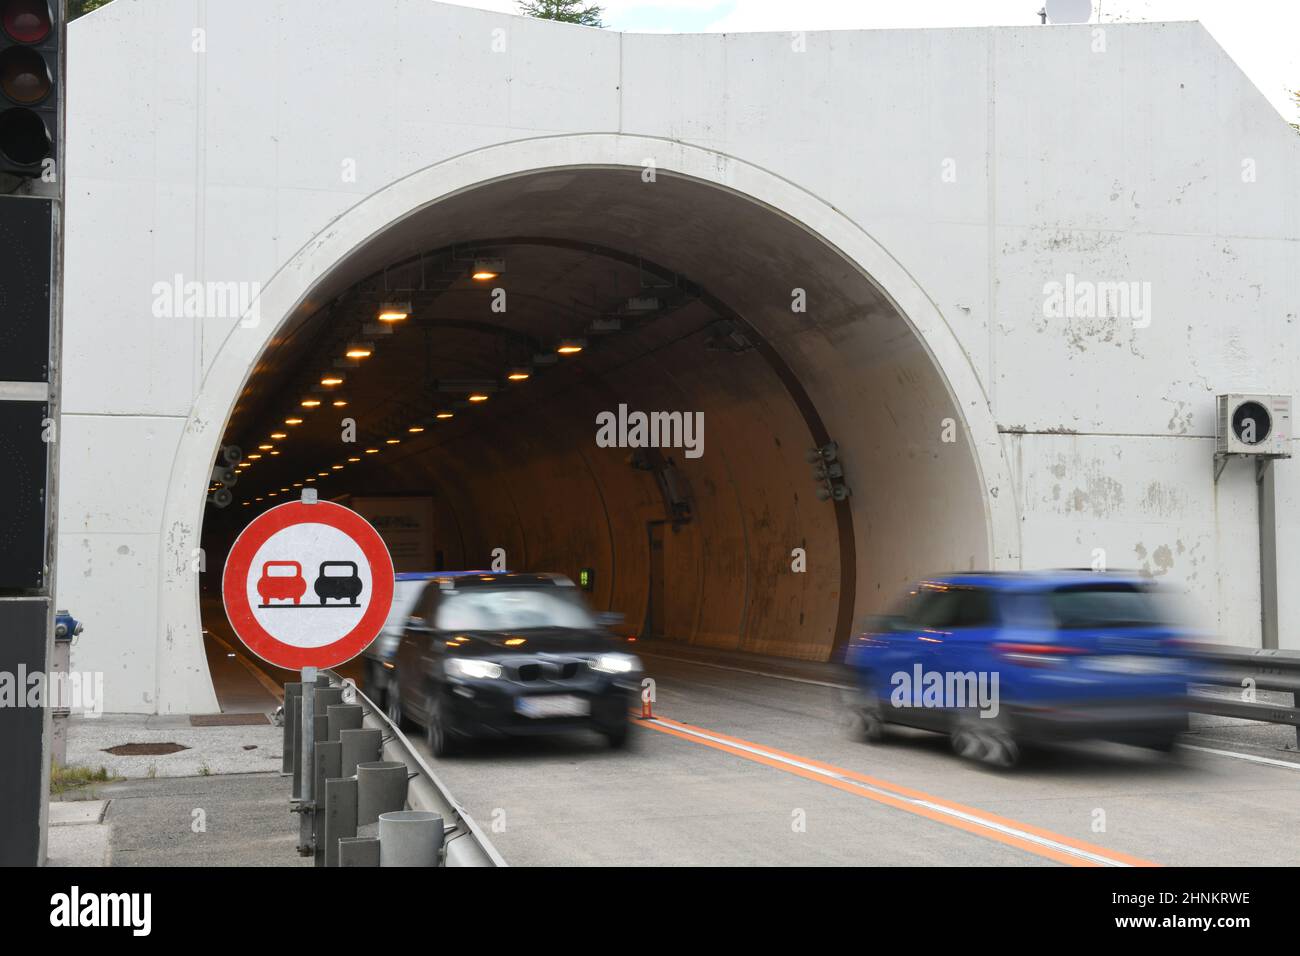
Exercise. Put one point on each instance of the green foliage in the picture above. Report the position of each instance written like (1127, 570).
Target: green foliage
(63, 779)
(566, 11)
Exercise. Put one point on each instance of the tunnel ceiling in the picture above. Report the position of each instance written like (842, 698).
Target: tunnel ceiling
(577, 245)
(452, 344)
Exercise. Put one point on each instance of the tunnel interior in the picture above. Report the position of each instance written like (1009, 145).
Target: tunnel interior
(539, 314)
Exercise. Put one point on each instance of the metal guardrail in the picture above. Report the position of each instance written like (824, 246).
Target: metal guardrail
(466, 842)
(1245, 671)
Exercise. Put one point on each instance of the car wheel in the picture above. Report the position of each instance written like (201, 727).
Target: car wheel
(394, 705)
(862, 716)
(985, 740)
(441, 742)
(620, 735)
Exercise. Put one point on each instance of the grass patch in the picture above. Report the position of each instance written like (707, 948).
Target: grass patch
(63, 779)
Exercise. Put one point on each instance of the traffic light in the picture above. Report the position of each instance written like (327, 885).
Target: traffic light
(29, 79)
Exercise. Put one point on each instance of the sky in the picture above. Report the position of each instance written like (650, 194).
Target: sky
(1260, 35)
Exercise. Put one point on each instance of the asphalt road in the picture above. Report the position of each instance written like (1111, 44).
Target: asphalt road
(752, 770)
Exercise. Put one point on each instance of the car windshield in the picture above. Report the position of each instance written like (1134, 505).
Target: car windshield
(512, 609)
(1113, 606)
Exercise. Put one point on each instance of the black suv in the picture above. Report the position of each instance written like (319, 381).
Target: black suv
(509, 654)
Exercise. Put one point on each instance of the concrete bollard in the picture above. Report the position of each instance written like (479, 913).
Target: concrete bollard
(381, 788)
(325, 765)
(340, 815)
(343, 717)
(365, 745)
(359, 851)
(292, 697)
(409, 838)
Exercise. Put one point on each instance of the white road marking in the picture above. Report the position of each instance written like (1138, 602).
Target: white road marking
(1288, 764)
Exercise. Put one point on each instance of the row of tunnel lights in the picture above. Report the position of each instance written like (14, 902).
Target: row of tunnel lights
(389, 314)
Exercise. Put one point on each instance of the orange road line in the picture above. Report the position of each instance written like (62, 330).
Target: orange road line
(959, 816)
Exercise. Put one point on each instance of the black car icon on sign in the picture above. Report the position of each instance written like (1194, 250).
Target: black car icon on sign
(338, 580)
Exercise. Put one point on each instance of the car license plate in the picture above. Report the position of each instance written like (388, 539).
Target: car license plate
(1128, 664)
(560, 705)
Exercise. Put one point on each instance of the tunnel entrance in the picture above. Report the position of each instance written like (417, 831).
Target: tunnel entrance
(607, 294)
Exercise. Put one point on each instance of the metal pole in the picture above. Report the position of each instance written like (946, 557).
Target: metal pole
(359, 851)
(1267, 554)
(343, 717)
(381, 787)
(360, 746)
(292, 695)
(306, 779)
(409, 838)
(327, 766)
(340, 815)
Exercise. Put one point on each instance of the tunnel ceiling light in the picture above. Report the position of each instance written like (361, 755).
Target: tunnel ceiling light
(279, 435)
(485, 269)
(478, 397)
(275, 451)
(393, 441)
(415, 429)
(297, 484)
(340, 403)
(322, 474)
(309, 480)
(310, 402)
(286, 488)
(571, 346)
(254, 457)
(272, 494)
(246, 503)
(354, 459)
(359, 350)
(329, 381)
(265, 447)
(336, 467)
(372, 451)
(394, 312)
(519, 374)
(258, 499)
(444, 414)
(293, 421)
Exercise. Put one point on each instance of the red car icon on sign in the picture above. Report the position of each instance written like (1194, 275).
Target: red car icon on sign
(281, 581)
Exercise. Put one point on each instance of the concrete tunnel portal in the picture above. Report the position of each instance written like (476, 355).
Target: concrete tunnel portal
(685, 297)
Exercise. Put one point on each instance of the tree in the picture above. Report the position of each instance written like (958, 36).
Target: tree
(566, 11)
(78, 7)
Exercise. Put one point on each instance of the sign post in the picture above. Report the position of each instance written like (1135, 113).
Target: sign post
(307, 586)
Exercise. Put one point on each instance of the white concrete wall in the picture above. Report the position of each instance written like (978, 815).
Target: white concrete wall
(1122, 164)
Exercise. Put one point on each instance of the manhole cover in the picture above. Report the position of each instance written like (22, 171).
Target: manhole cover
(144, 750)
(227, 720)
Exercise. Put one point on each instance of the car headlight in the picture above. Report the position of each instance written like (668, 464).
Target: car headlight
(472, 668)
(616, 663)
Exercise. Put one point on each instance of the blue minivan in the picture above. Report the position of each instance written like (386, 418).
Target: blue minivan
(1001, 660)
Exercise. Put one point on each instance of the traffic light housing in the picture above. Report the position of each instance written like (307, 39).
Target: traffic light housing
(29, 85)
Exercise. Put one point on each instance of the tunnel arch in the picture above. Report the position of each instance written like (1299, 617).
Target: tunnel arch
(356, 240)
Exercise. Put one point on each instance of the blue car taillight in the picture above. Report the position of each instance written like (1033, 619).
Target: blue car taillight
(1037, 655)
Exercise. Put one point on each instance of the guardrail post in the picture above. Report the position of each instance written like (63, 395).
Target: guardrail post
(381, 788)
(340, 814)
(359, 851)
(360, 746)
(292, 701)
(343, 717)
(303, 778)
(409, 838)
(327, 766)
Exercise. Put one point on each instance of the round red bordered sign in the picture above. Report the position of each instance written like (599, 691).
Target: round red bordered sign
(308, 584)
